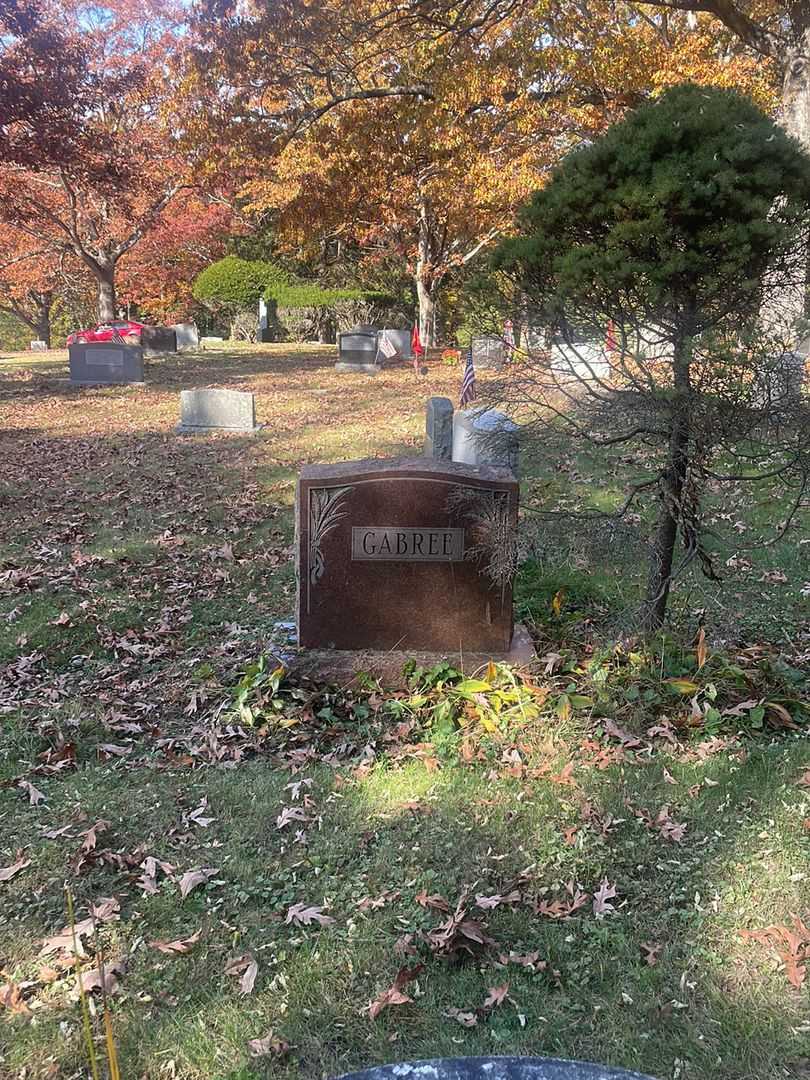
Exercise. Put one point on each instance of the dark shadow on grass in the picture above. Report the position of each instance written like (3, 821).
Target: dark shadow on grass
(723, 1015)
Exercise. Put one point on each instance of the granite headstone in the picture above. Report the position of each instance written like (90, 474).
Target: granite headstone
(39, 346)
(485, 436)
(217, 410)
(99, 362)
(158, 339)
(186, 336)
(400, 555)
(357, 351)
(494, 1068)
(439, 429)
(400, 340)
(487, 352)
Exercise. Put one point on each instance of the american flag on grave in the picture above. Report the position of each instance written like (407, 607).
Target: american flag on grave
(468, 381)
(387, 347)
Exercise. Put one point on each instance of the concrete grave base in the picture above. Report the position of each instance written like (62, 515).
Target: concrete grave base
(360, 369)
(188, 429)
(95, 382)
(342, 666)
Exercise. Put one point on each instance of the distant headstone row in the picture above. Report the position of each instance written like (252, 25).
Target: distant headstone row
(470, 436)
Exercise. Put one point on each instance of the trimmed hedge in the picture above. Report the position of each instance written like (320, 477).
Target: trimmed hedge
(233, 284)
(314, 296)
(308, 312)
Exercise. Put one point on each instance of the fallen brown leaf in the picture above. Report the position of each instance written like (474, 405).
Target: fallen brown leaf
(192, 878)
(603, 894)
(435, 902)
(179, 947)
(496, 996)
(270, 1044)
(105, 979)
(8, 872)
(105, 909)
(393, 995)
(246, 967)
(301, 915)
(35, 797)
(466, 1019)
(11, 998)
(64, 940)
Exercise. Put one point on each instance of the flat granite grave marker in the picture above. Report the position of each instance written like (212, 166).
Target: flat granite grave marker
(217, 410)
(439, 429)
(99, 362)
(404, 557)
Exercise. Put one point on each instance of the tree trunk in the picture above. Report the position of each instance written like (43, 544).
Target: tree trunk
(43, 326)
(426, 284)
(795, 109)
(105, 276)
(659, 580)
(427, 313)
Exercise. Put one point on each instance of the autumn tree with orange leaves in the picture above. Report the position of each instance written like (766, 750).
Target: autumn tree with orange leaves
(418, 130)
(90, 162)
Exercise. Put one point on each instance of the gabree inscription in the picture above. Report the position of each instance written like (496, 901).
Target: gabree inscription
(407, 544)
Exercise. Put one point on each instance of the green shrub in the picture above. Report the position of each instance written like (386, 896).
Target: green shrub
(308, 312)
(232, 284)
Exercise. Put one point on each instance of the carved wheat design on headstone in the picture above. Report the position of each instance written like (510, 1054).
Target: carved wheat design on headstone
(324, 513)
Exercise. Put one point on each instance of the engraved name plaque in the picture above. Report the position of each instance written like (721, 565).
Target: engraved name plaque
(405, 544)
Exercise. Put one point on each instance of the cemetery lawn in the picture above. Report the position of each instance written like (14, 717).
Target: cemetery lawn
(601, 859)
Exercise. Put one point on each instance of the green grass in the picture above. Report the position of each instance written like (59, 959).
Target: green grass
(172, 558)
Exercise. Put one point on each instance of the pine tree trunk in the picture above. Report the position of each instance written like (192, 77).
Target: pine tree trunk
(795, 119)
(795, 109)
(659, 580)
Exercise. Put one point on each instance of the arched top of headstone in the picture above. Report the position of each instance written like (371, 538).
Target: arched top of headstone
(494, 1068)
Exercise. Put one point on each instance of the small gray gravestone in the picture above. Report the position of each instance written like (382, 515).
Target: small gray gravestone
(485, 437)
(158, 339)
(97, 363)
(397, 340)
(439, 429)
(187, 336)
(494, 1068)
(487, 352)
(217, 410)
(357, 351)
(38, 346)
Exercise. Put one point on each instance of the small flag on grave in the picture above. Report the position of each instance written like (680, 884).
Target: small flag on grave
(417, 348)
(468, 382)
(386, 346)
